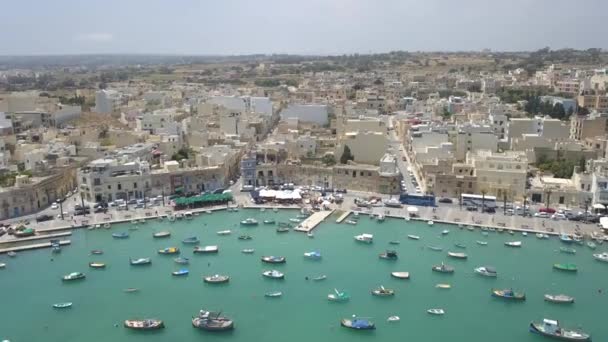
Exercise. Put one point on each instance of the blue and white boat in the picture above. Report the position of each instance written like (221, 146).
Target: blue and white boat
(140, 261)
(190, 240)
(313, 255)
(566, 239)
(122, 235)
(357, 324)
(181, 272)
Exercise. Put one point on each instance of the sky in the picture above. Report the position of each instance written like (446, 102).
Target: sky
(228, 27)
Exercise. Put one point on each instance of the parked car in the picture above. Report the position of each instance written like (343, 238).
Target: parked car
(471, 208)
(489, 210)
(54, 206)
(445, 200)
(42, 218)
(547, 210)
(341, 191)
(510, 212)
(541, 214)
(558, 216)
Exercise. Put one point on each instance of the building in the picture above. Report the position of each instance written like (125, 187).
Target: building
(500, 173)
(318, 114)
(106, 180)
(568, 86)
(365, 147)
(593, 101)
(248, 169)
(107, 101)
(588, 126)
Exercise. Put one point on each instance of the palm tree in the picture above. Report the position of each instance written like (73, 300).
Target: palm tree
(548, 193)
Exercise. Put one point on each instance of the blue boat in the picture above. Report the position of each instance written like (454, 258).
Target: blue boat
(123, 235)
(566, 239)
(191, 240)
(357, 324)
(313, 255)
(181, 272)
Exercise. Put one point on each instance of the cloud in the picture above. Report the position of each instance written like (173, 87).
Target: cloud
(94, 37)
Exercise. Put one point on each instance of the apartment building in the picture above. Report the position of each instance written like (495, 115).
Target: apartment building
(593, 101)
(366, 147)
(588, 126)
(107, 101)
(498, 173)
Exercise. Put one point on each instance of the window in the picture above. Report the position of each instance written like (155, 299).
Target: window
(361, 173)
(561, 199)
(134, 185)
(470, 185)
(119, 186)
(96, 181)
(369, 173)
(109, 187)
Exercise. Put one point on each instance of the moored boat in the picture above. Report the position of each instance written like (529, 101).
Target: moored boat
(508, 294)
(413, 237)
(352, 222)
(365, 238)
(249, 222)
(566, 239)
(122, 235)
(269, 221)
(160, 235)
(244, 237)
(591, 245)
(206, 249)
(357, 323)
(567, 250)
(169, 250)
(401, 275)
(487, 271)
(181, 260)
(97, 252)
(435, 248)
(551, 328)
(460, 245)
(295, 220)
(482, 243)
(393, 319)
(559, 298)
(140, 261)
(62, 305)
(443, 286)
(445, 232)
(97, 265)
(319, 277)
(430, 223)
(144, 324)
(274, 259)
(338, 296)
(73, 276)
(274, 274)
(389, 255)
(282, 229)
(457, 255)
(436, 311)
(313, 255)
(224, 232)
(601, 257)
(443, 268)
(190, 240)
(274, 294)
(248, 250)
(566, 267)
(513, 244)
(383, 292)
(310, 235)
(180, 272)
(216, 279)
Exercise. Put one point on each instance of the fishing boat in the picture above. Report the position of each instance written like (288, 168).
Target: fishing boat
(365, 238)
(62, 305)
(169, 250)
(248, 250)
(134, 222)
(601, 257)
(160, 235)
(383, 292)
(436, 311)
(24, 233)
(190, 240)
(443, 286)
(357, 323)
(443, 268)
(274, 274)
(224, 232)
(470, 228)
(445, 232)
(140, 261)
(188, 215)
(482, 243)
(282, 229)
(393, 319)
(389, 255)
(338, 296)
(73, 276)
(430, 223)
(487, 271)
(97, 265)
(180, 272)
(435, 248)
(511, 232)
(206, 249)
(269, 221)
(566, 239)
(320, 277)
(567, 250)
(508, 294)
(216, 279)
(401, 275)
(559, 298)
(249, 222)
(457, 255)
(413, 237)
(551, 328)
(565, 267)
(460, 245)
(122, 235)
(316, 255)
(274, 259)
(513, 244)
(353, 222)
(244, 237)
(273, 294)
(97, 252)
(394, 242)
(182, 261)
(144, 324)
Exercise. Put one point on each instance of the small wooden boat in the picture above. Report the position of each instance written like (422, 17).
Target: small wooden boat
(62, 305)
(484, 233)
(273, 294)
(401, 275)
(436, 311)
(357, 324)
(338, 296)
(97, 252)
(383, 292)
(566, 239)
(216, 279)
(144, 324)
(457, 255)
(269, 221)
(352, 222)
(249, 222)
(212, 321)
(435, 248)
(601, 257)
(389, 255)
(393, 319)
(567, 250)
(248, 250)
(566, 267)
(443, 286)
(122, 235)
(508, 294)
(460, 245)
(430, 223)
(559, 298)
(190, 240)
(182, 261)
(315, 255)
(73, 276)
(273, 274)
(443, 268)
(394, 242)
(131, 290)
(206, 249)
(282, 230)
(413, 237)
(513, 244)
(140, 261)
(244, 237)
(320, 277)
(487, 271)
(274, 259)
(224, 232)
(551, 328)
(445, 232)
(180, 272)
(169, 250)
(482, 243)
(591, 245)
(97, 265)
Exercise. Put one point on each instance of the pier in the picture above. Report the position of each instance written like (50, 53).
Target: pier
(343, 216)
(313, 221)
(36, 237)
(34, 246)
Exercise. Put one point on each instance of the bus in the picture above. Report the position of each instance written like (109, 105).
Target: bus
(417, 199)
(475, 200)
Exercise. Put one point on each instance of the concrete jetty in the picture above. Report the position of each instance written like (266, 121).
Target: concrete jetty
(34, 246)
(36, 237)
(343, 216)
(312, 221)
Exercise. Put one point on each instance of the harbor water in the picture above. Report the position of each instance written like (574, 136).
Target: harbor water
(31, 283)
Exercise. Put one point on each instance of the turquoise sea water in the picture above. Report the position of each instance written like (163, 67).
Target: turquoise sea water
(31, 284)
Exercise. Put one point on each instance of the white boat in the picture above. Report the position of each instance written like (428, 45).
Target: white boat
(413, 237)
(338, 296)
(366, 238)
(295, 220)
(310, 234)
(436, 311)
(224, 232)
(524, 233)
(273, 294)
(482, 243)
(274, 274)
(353, 222)
(248, 251)
(2, 265)
(601, 257)
(551, 328)
(381, 218)
(206, 249)
(513, 244)
(249, 222)
(401, 275)
(393, 319)
(487, 271)
(443, 286)
(445, 232)
(457, 255)
(313, 255)
(430, 223)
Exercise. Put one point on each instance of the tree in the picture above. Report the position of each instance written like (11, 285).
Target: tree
(582, 163)
(346, 155)
(329, 159)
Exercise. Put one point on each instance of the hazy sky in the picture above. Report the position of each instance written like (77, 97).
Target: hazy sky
(304, 26)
